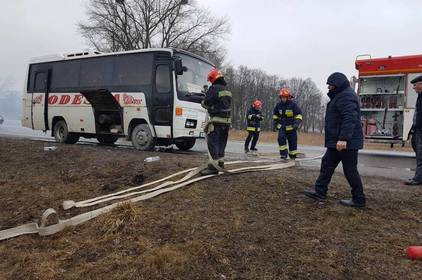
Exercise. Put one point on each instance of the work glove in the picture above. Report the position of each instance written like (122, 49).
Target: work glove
(259, 117)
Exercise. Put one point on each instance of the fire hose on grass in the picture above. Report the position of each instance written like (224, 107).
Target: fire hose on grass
(133, 195)
(166, 186)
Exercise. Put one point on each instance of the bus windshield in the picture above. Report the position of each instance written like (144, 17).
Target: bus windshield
(192, 82)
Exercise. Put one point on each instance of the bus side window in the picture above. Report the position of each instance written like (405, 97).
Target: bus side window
(162, 79)
(40, 84)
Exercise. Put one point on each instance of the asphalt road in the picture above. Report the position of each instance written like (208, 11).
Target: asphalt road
(390, 164)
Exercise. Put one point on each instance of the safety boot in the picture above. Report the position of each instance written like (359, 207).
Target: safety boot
(210, 170)
(246, 150)
(254, 149)
(221, 163)
(352, 203)
(314, 195)
(283, 157)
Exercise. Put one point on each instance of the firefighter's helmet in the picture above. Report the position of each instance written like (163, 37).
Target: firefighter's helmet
(213, 75)
(285, 92)
(257, 104)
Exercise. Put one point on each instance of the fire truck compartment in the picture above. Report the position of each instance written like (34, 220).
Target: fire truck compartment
(382, 101)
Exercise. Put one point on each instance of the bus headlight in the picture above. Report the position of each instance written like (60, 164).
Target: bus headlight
(190, 123)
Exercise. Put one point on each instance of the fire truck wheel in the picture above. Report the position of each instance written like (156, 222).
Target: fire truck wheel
(142, 138)
(107, 139)
(186, 144)
(62, 135)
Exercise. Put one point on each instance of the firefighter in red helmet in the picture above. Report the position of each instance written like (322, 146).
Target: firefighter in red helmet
(287, 118)
(218, 104)
(254, 118)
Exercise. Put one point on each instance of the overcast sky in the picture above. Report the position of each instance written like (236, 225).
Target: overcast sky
(296, 38)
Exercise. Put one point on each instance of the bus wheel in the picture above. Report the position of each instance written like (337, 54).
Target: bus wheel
(105, 139)
(186, 144)
(142, 138)
(62, 135)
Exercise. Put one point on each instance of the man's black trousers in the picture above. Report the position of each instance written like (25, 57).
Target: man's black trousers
(349, 160)
(418, 151)
(217, 140)
(254, 136)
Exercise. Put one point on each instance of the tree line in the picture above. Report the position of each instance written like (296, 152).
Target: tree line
(248, 85)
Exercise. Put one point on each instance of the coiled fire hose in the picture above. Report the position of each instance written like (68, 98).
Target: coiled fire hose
(165, 186)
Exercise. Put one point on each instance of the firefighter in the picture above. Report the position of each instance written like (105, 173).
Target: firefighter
(254, 118)
(287, 118)
(218, 104)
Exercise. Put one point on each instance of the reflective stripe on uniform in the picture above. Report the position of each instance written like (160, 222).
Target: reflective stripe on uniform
(275, 117)
(224, 93)
(294, 152)
(298, 117)
(250, 117)
(289, 128)
(220, 120)
(251, 128)
(289, 113)
(282, 148)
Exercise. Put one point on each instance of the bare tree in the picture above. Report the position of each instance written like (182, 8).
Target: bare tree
(135, 24)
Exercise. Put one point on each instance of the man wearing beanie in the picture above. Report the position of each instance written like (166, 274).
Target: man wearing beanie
(343, 139)
(417, 179)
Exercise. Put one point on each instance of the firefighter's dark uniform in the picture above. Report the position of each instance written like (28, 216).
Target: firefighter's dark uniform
(254, 118)
(287, 118)
(218, 104)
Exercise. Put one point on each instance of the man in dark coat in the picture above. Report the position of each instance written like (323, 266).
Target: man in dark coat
(343, 139)
(417, 135)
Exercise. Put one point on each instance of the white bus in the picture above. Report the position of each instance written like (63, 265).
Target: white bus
(151, 97)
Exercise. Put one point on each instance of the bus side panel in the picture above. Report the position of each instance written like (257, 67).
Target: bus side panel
(26, 103)
(74, 109)
(27, 110)
(38, 111)
(134, 108)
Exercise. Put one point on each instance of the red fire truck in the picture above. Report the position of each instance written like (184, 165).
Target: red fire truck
(387, 96)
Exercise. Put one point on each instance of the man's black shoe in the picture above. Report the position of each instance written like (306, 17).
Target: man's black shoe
(246, 150)
(413, 182)
(315, 195)
(210, 170)
(254, 149)
(351, 203)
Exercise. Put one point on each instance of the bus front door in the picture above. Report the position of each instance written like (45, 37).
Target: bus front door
(162, 100)
(39, 111)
